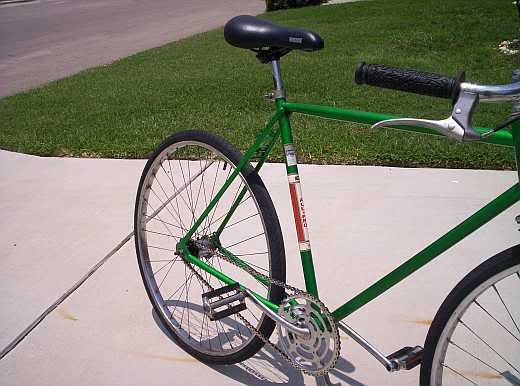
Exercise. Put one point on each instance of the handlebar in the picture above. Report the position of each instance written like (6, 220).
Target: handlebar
(465, 97)
(430, 84)
(417, 82)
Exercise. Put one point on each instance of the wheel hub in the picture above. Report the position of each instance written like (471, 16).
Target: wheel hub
(202, 247)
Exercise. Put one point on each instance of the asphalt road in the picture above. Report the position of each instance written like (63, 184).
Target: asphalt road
(44, 40)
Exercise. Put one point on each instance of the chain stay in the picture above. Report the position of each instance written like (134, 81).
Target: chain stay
(266, 340)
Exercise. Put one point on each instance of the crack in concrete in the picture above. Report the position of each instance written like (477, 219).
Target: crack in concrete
(62, 298)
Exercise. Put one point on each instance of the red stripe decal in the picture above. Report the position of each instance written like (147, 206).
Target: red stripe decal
(296, 212)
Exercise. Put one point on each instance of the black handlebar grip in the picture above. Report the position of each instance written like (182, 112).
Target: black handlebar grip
(417, 82)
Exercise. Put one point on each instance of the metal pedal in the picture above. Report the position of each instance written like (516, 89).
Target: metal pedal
(407, 357)
(216, 299)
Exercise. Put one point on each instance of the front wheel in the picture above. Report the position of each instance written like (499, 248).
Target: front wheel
(475, 336)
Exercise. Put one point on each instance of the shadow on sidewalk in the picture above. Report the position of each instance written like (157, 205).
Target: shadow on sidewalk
(267, 367)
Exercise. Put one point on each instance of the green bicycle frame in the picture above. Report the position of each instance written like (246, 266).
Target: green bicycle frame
(279, 127)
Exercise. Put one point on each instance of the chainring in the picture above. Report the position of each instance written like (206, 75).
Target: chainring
(317, 353)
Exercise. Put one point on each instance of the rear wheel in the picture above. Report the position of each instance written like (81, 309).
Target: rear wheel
(475, 336)
(177, 184)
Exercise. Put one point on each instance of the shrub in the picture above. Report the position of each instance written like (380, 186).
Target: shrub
(272, 5)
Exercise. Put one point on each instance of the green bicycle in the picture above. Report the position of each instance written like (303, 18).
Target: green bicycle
(211, 252)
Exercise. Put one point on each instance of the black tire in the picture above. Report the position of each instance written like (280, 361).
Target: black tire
(464, 302)
(273, 235)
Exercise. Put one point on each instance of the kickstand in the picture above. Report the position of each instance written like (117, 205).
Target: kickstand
(328, 382)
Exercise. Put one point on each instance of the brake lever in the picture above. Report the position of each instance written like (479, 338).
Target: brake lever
(448, 126)
(457, 125)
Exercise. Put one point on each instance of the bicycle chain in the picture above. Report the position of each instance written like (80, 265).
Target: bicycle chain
(287, 287)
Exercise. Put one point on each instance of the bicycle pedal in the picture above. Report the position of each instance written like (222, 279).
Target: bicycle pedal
(407, 357)
(224, 301)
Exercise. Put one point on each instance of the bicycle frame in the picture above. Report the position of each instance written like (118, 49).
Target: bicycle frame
(279, 127)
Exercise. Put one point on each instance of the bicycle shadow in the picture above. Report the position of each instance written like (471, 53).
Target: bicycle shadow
(267, 368)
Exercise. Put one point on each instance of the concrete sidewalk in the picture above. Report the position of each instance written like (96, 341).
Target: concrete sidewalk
(60, 216)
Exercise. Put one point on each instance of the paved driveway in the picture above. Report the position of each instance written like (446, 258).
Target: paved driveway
(44, 40)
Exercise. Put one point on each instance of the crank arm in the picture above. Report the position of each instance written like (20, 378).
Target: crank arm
(277, 318)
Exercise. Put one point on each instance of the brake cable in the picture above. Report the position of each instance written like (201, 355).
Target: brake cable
(512, 118)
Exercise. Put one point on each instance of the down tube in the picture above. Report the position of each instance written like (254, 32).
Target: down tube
(468, 226)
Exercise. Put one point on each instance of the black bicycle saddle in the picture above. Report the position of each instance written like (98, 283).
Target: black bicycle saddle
(254, 33)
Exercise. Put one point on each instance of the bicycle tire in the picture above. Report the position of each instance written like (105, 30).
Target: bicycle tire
(477, 299)
(226, 154)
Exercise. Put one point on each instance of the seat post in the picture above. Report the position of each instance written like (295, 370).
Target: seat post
(279, 90)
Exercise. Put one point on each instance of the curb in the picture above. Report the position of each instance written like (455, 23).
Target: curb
(2, 2)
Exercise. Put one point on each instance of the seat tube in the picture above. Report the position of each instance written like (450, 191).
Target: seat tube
(298, 206)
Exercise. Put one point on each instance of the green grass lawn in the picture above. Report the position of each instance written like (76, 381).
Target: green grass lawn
(126, 108)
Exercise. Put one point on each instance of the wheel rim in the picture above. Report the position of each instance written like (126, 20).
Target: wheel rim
(174, 288)
(480, 343)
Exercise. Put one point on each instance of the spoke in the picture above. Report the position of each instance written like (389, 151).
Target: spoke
(218, 335)
(224, 215)
(211, 196)
(165, 276)
(491, 348)
(473, 356)
(243, 241)
(459, 374)
(237, 192)
(191, 194)
(161, 248)
(204, 316)
(163, 234)
(507, 309)
(205, 202)
(167, 203)
(214, 182)
(164, 222)
(198, 193)
(174, 187)
(251, 254)
(239, 221)
(188, 307)
(164, 266)
(163, 204)
(191, 189)
(187, 192)
(496, 320)
(177, 290)
(174, 195)
(203, 313)
(225, 333)
(186, 283)
(177, 191)
(218, 202)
